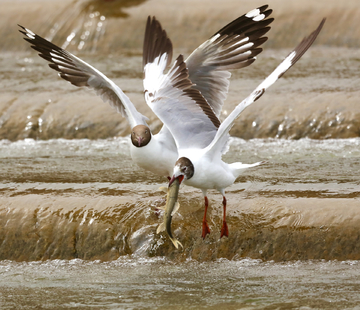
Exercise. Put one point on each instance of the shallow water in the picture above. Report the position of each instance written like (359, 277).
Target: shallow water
(59, 195)
(62, 200)
(139, 283)
(317, 98)
(329, 168)
(78, 219)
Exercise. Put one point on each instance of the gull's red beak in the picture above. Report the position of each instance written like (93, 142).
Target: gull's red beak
(180, 178)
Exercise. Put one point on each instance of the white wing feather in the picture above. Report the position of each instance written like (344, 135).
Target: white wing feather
(80, 73)
(222, 134)
(179, 107)
(234, 46)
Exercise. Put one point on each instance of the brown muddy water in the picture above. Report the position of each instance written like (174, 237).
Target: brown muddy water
(78, 229)
(78, 219)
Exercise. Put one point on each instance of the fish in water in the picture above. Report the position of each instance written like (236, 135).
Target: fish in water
(171, 207)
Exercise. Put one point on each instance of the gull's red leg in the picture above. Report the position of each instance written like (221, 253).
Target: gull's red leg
(205, 226)
(224, 228)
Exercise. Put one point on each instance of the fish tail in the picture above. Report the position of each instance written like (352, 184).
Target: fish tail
(176, 243)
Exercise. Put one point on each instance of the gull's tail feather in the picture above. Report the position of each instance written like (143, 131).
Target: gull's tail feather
(238, 168)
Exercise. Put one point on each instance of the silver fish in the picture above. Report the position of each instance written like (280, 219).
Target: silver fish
(170, 208)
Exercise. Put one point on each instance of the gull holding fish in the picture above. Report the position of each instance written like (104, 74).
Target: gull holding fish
(170, 208)
(200, 138)
(234, 46)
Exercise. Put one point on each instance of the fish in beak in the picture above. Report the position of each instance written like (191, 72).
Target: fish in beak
(180, 178)
(170, 208)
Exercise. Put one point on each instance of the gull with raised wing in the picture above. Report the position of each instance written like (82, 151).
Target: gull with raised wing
(200, 138)
(232, 47)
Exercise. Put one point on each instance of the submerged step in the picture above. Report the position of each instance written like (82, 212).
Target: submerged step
(41, 227)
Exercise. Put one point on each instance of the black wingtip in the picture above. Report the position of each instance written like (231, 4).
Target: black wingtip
(22, 30)
(264, 7)
(307, 42)
(156, 42)
(22, 27)
(246, 23)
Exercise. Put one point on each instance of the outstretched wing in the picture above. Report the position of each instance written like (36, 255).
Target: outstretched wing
(234, 46)
(181, 108)
(221, 135)
(79, 73)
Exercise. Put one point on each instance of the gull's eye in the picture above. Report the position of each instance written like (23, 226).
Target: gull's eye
(183, 169)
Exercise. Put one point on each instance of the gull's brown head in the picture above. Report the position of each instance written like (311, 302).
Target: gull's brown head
(140, 135)
(183, 170)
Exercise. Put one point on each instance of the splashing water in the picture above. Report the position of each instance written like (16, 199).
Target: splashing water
(83, 23)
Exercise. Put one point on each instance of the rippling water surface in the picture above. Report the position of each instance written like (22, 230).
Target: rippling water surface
(138, 283)
(78, 219)
(319, 168)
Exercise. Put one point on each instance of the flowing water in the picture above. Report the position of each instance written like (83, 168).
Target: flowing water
(90, 216)
(78, 219)
(135, 283)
